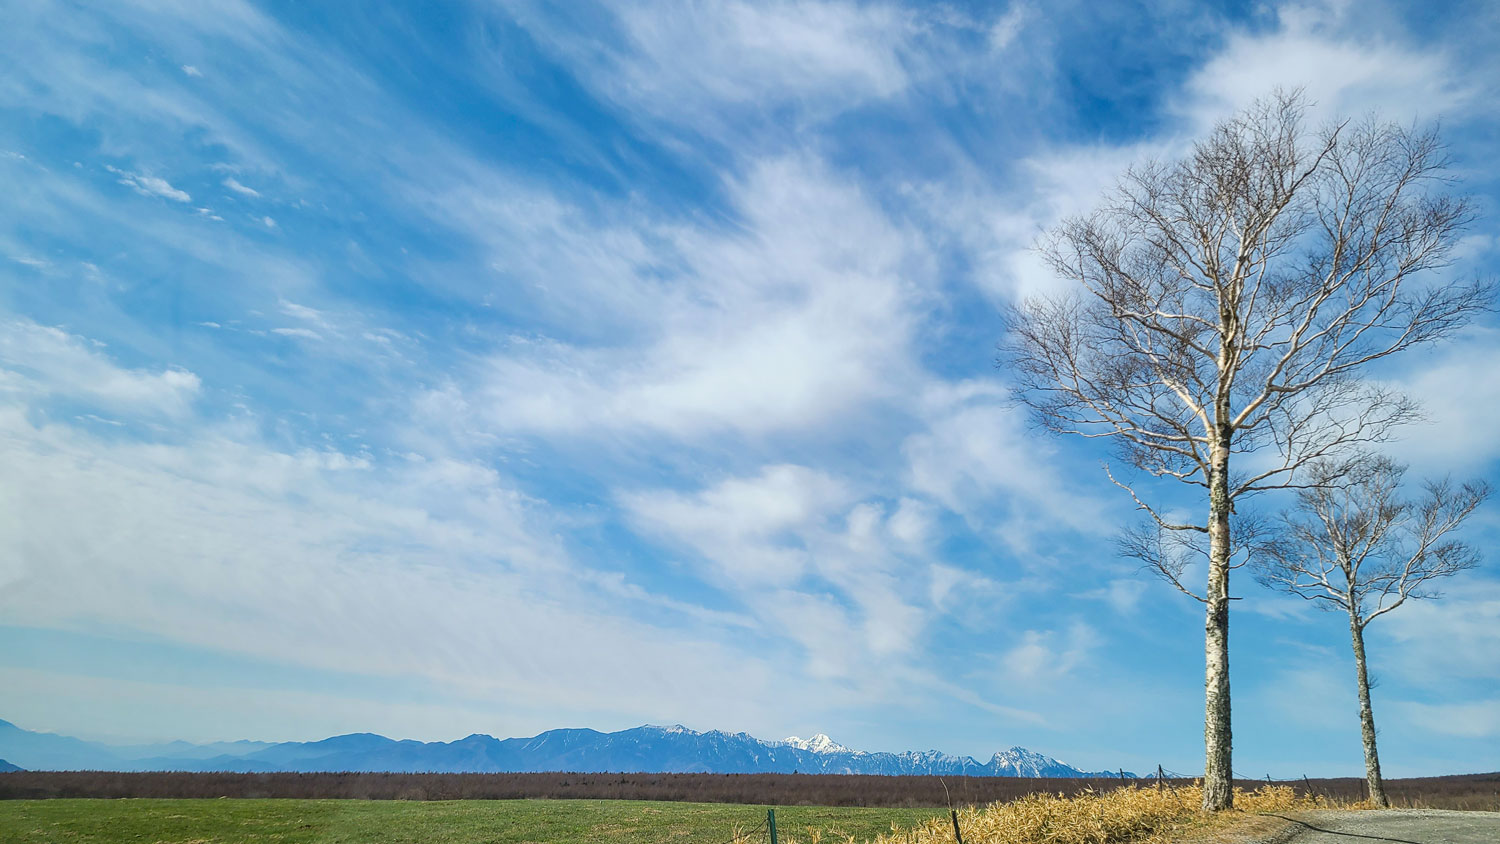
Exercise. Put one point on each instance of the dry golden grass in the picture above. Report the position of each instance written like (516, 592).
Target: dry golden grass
(1137, 815)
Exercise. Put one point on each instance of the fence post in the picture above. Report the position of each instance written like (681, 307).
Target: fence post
(1160, 775)
(1308, 784)
(771, 822)
(959, 836)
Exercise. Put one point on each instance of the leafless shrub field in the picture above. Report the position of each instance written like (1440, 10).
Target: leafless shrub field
(1471, 791)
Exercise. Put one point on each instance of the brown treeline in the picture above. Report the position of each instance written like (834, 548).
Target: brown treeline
(1472, 791)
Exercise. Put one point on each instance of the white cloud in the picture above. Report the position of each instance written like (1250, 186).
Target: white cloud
(803, 311)
(55, 701)
(975, 453)
(1006, 28)
(1343, 73)
(1455, 636)
(1458, 387)
(995, 218)
(740, 51)
(234, 185)
(1278, 607)
(912, 523)
(1043, 657)
(304, 333)
(1477, 719)
(1123, 595)
(694, 63)
(839, 578)
(746, 526)
(312, 316)
(268, 222)
(191, 71)
(979, 604)
(49, 361)
(718, 68)
(72, 77)
(1312, 48)
(431, 570)
(149, 185)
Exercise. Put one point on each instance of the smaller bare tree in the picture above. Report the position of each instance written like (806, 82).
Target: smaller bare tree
(1354, 543)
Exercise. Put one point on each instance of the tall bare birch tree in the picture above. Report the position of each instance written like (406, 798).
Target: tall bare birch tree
(1223, 306)
(1353, 544)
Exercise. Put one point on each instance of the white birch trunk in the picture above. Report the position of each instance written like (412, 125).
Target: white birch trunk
(1218, 776)
(1367, 716)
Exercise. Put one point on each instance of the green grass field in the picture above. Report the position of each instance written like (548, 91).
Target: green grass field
(230, 821)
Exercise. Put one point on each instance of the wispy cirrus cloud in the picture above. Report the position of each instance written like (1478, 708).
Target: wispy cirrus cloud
(186, 543)
(710, 68)
(1322, 49)
(234, 185)
(803, 310)
(1474, 720)
(43, 361)
(150, 185)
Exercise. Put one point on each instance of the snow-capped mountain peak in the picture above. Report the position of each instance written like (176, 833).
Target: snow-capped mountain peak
(673, 729)
(819, 743)
(1020, 762)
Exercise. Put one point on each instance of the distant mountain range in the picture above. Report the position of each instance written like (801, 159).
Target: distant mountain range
(651, 749)
(7, 767)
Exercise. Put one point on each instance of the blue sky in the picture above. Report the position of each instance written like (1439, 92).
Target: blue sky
(495, 367)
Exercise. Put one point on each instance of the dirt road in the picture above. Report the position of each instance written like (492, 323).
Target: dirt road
(1401, 826)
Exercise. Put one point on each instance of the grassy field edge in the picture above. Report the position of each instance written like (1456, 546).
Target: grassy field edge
(252, 821)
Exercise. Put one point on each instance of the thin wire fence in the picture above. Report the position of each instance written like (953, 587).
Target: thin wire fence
(767, 831)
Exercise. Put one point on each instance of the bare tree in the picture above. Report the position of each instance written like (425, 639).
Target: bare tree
(1353, 543)
(1224, 305)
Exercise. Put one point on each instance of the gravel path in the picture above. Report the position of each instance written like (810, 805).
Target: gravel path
(1402, 826)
